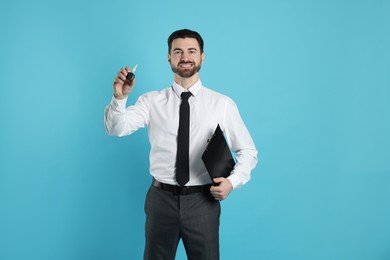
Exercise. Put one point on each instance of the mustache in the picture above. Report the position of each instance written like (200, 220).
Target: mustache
(185, 62)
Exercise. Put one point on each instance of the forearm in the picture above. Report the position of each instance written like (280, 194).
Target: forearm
(114, 117)
(121, 121)
(242, 144)
(246, 162)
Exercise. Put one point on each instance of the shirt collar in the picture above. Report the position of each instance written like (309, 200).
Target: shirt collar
(194, 89)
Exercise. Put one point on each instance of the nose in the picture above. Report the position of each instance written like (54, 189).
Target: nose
(184, 56)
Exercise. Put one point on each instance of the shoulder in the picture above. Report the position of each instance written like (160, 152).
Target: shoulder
(216, 96)
(156, 93)
(156, 98)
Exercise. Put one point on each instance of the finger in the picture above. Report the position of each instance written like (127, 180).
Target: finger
(216, 188)
(132, 83)
(123, 71)
(213, 189)
(215, 196)
(118, 80)
(121, 76)
(127, 69)
(218, 180)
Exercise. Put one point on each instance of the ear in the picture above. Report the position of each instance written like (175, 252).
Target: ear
(169, 58)
(202, 57)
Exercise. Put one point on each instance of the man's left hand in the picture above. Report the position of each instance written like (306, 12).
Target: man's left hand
(223, 188)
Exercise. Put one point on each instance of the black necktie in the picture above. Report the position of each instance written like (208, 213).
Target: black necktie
(183, 140)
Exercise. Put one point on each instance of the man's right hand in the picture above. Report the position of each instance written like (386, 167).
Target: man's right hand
(122, 87)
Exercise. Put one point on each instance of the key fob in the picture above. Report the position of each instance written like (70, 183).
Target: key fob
(130, 76)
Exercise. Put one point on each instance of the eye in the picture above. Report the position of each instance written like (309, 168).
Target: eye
(177, 52)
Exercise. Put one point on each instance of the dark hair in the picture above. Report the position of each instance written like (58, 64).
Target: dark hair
(185, 33)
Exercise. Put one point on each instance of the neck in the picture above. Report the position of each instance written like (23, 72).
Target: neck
(186, 82)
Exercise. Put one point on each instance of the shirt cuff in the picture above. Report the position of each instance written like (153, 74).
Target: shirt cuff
(235, 180)
(119, 104)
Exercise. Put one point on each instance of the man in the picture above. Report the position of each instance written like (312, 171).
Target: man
(181, 202)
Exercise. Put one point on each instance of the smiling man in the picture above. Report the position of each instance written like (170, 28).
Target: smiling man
(182, 203)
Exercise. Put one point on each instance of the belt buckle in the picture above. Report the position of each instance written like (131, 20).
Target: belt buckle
(179, 190)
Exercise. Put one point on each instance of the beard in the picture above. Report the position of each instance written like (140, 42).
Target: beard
(184, 72)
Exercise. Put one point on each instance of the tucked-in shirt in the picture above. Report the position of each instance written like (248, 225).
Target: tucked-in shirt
(159, 112)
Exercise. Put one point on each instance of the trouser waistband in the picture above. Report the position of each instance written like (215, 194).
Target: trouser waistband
(181, 190)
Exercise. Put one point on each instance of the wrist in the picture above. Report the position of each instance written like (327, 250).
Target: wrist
(120, 97)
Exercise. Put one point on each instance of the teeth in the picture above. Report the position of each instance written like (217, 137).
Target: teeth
(186, 64)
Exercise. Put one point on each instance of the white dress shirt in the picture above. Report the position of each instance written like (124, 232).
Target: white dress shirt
(159, 112)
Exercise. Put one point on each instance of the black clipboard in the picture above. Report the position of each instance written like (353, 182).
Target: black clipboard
(217, 157)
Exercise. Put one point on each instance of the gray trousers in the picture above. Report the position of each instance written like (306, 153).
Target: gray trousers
(194, 218)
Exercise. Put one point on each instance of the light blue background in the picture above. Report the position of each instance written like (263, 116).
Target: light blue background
(312, 82)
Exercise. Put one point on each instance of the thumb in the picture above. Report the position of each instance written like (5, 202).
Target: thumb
(218, 180)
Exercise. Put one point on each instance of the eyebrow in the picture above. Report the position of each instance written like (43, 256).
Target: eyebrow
(190, 49)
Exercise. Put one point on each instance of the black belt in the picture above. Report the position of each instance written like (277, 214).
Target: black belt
(179, 190)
